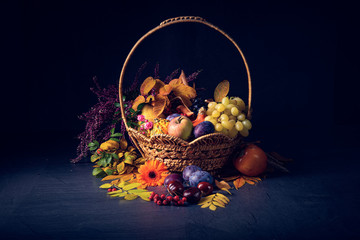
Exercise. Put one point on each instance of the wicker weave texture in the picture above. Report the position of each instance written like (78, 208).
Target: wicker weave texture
(209, 152)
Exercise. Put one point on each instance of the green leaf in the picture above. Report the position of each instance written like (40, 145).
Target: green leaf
(125, 105)
(105, 185)
(115, 156)
(131, 186)
(109, 171)
(123, 98)
(140, 106)
(115, 139)
(132, 110)
(108, 159)
(117, 104)
(116, 135)
(94, 158)
(112, 130)
(98, 172)
(137, 191)
(129, 158)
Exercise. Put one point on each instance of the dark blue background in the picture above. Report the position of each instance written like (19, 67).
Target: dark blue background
(302, 56)
(304, 61)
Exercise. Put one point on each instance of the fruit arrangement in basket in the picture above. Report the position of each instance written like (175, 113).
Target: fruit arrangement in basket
(175, 110)
(161, 142)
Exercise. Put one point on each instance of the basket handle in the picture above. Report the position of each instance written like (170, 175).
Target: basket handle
(169, 22)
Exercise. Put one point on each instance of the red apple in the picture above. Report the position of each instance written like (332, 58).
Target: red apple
(252, 162)
(180, 127)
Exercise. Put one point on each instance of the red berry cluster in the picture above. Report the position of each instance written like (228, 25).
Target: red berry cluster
(112, 189)
(167, 200)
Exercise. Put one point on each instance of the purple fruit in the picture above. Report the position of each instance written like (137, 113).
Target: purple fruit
(173, 177)
(193, 195)
(171, 116)
(205, 188)
(189, 170)
(175, 188)
(203, 128)
(200, 176)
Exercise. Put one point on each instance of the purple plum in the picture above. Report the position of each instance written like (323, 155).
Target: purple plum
(189, 170)
(200, 176)
(171, 116)
(203, 128)
(173, 177)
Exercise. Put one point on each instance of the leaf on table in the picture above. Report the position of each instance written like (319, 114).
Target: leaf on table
(222, 184)
(105, 185)
(226, 190)
(110, 177)
(130, 196)
(131, 186)
(213, 201)
(238, 183)
(94, 158)
(212, 207)
(221, 90)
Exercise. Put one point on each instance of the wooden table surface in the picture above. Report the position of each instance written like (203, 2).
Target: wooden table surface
(43, 196)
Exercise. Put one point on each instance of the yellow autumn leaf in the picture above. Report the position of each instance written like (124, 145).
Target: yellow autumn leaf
(205, 205)
(120, 155)
(122, 194)
(238, 183)
(212, 207)
(206, 199)
(222, 184)
(110, 177)
(127, 177)
(249, 182)
(221, 90)
(115, 192)
(220, 200)
(115, 182)
(144, 197)
(131, 186)
(130, 196)
(149, 99)
(223, 197)
(105, 185)
(147, 85)
(219, 204)
(226, 190)
(121, 168)
(137, 191)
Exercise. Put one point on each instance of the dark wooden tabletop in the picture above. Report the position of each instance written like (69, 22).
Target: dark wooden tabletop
(43, 196)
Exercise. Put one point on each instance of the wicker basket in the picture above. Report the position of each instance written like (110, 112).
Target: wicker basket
(210, 152)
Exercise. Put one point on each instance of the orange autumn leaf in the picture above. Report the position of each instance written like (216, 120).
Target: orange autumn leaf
(222, 184)
(185, 93)
(147, 85)
(160, 104)
(139, 100)
(159, 84)
(165, 90)
(238, 183)
(175, 82)
(150, 98)
(221, 90)
(183, 78)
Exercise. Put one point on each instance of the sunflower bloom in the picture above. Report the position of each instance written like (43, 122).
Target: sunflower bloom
(152, 173)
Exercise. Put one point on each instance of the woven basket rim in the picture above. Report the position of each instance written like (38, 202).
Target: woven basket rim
(182, 142)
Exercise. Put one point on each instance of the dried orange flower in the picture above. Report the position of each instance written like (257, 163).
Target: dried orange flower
(152, 173)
